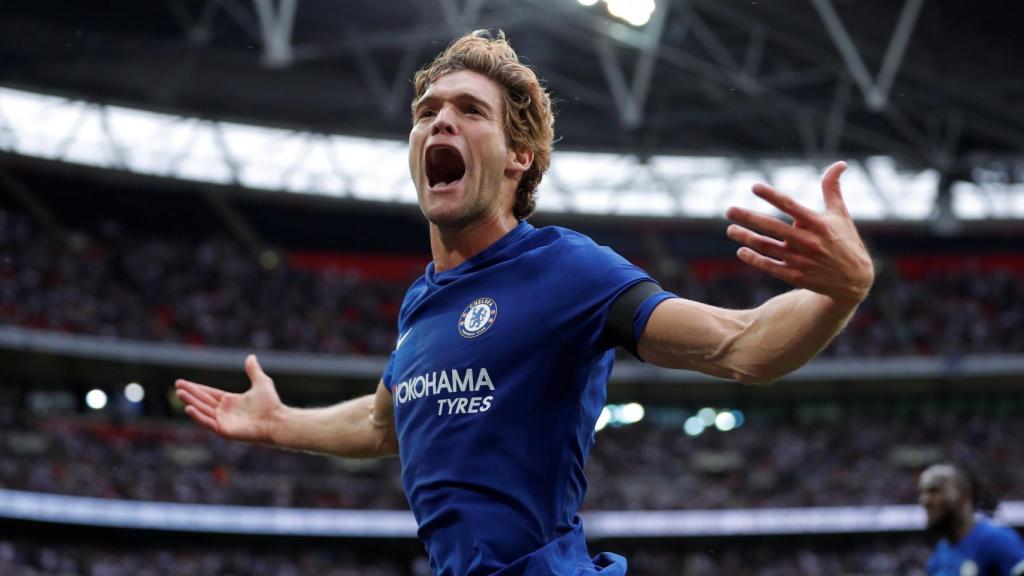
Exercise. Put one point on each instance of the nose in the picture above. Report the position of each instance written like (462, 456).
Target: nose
(444, 122)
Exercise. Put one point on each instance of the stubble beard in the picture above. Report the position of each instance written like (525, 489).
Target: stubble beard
(945, 525)
(458, 219)
(474, 208)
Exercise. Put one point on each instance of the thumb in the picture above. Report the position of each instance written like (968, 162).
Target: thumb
(830, 187)
(254, 371)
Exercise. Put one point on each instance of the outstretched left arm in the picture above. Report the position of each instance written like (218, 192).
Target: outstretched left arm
(820, 253)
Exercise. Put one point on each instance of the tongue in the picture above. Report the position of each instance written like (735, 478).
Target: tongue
(442, 183)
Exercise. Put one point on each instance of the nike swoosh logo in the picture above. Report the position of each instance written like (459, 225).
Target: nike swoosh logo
(402, 338)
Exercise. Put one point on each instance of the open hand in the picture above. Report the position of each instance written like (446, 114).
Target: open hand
(248, 417)
(819, 252)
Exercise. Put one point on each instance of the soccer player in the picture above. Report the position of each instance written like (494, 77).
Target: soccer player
(969, 546)
(506, 342)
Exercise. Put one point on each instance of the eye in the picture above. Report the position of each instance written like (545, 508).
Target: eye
(425, 113)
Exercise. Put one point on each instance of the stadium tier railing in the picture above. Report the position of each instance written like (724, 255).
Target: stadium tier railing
(178, 355)
(62, 509)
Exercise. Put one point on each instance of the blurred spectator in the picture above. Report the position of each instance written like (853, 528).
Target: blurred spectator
(181, 463)
(34, 558)
(213, 293)
(206, 293)
(902, 556)
(787, 557)
(817, 459)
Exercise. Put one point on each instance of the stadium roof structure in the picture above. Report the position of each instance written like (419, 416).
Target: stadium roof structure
(930, 84)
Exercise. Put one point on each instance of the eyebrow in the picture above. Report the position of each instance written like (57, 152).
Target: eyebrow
(457, 97)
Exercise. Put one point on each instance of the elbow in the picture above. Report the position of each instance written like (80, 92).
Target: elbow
(753, 380)
(386, 443)
(764, 371)
(388, 446)
(757, 377)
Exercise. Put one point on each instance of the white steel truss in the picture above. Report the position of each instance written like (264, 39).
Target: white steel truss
(660, 186)
(725, 65)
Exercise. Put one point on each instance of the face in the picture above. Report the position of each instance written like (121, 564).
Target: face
(941, 497)
(459, 159)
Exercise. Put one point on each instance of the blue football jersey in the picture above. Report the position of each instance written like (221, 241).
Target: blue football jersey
(987, 550)
(498, 378)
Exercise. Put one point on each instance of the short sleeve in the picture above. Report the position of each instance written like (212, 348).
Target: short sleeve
(646, 309)
(588, 279)
(411, 294)
(630, 312)
(1007, 552)
(389, 370)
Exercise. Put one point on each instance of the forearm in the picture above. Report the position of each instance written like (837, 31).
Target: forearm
(751, 346)
(783, 334)
(350, 429)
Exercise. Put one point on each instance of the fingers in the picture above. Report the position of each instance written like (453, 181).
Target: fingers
(201, 418)
(215, 393)
(785, 203)
(769, 265)
(830, 187)
(764, 223)
(758, 242)
(255, 372)
(199, 403)
(198, 406)
(202, 396)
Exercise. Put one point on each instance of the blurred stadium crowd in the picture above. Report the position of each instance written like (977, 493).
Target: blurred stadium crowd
(34, 558)
(820, 457)
(204, 291)
(212, 292)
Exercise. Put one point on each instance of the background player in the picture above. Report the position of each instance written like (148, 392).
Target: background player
(493, 464)
(950, 495)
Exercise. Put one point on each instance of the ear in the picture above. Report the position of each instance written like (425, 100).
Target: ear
(518, 162)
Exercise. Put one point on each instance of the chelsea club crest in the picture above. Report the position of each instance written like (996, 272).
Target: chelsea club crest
(478, 317)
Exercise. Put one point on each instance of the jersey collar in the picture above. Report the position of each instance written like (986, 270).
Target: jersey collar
(480, 260)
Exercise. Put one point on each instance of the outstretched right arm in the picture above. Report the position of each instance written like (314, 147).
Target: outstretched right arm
(360, 428)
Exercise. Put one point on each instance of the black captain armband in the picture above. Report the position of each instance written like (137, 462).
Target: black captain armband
(618, 328)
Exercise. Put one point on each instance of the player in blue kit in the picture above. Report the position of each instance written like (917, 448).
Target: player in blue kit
(506, 342)
(969, 546)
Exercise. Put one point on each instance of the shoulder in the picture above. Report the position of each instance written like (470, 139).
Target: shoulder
(416, 291)
(1001, 546)
(554, 238)
(585, 268)
(930, 566)
(1001, 535)
(574, 249)
(935, 560)
(567, 238)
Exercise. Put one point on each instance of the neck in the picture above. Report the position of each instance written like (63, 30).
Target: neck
(962, 528)
(453, 246)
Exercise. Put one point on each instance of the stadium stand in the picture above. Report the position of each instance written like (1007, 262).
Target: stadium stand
(182, 182)
(48, 557)
(807, 454)
(211, 292)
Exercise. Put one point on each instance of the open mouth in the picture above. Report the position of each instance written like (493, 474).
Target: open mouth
(444, 166)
